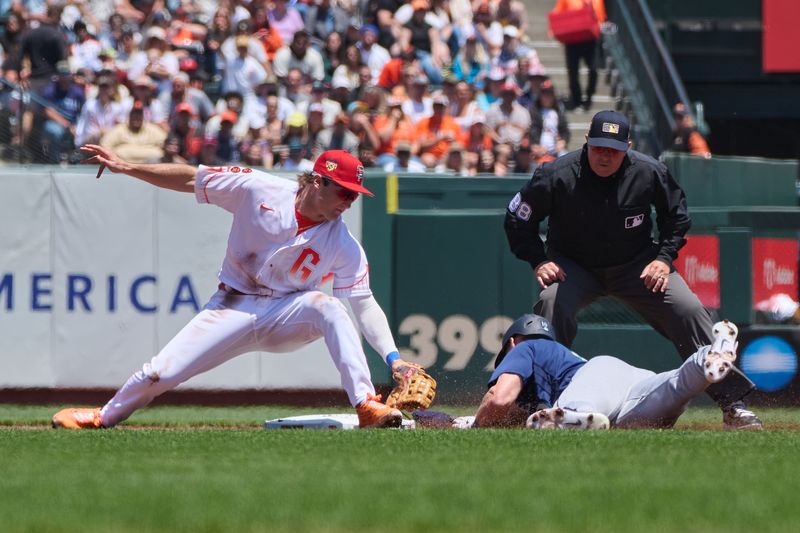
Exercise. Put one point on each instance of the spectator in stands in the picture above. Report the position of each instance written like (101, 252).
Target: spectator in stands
(510, 51)
(388, 27)
(243, 29)
(270, 87)
(243, 72)
(405, 161)
(478, 142)
(187, 132)
(549, 128)
(349, 69)
(296, 130)
(110, 34)
(585, 51)
(330, 108)
(510, 123)
(182, 92)
(454, 162)
(295, 87)
(492, 90)
(285, 20)
(685, 137)
(63, 100)
(136, 140)
(362, 128)
(341, 91)
(464, 107)
(373, 55)
(392, 127)
(296, 160)
(338, 136)
(85, 52)
(418, 105)
(234, 102)
(523, 159)
(436, 133)
(11, 40)
(263, 33)
(471, 63)
(42, 48)
(424, 39)
(100, 113)
(227, 145)
(511, 12)
(155, 60)
(488, 31)
(143, 91)
(299, 55)
(213, 61)
(332, 54)
(323, 17)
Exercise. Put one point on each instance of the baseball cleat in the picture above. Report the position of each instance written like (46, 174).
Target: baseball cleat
(558, 418)
(720, 358)
(374, 414)
(72, 418)
(738, 417)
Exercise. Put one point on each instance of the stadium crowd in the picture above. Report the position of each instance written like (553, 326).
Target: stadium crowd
(428, 85)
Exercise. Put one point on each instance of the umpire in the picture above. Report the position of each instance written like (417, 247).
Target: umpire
(599, 243)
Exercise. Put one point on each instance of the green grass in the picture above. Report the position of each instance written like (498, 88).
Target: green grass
(248, 479)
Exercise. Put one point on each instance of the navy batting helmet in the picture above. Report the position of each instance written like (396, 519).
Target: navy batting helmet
(529, 325)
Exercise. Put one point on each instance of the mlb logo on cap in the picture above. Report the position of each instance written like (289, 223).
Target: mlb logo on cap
(609, 129)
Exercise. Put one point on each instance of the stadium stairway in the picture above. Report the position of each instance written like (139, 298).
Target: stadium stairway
(551, 54)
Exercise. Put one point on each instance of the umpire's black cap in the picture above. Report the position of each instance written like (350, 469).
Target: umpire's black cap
(609, 129)
(528, 325)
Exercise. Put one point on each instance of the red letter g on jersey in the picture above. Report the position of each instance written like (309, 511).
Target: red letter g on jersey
(304, 264)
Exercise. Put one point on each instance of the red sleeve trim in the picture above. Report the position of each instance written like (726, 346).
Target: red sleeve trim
(359, 280)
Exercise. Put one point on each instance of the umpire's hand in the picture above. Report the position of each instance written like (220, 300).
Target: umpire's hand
(548, 273)
(656, 276)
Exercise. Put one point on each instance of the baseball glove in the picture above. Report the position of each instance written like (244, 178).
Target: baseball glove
(415, 388)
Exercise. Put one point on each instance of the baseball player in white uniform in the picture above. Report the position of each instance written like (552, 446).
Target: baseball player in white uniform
(533, 372)
(286, 239)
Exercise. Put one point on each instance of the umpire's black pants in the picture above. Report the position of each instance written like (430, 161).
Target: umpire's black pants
(677, 314)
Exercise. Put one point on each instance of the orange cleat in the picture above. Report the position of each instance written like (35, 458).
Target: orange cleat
(374, 414)
(77, 418)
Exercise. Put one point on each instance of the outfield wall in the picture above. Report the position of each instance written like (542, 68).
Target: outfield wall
(95, 276)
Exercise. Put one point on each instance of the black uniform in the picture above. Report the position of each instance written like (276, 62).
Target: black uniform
(600, 233)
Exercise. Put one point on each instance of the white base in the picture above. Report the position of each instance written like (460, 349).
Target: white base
(326, 421)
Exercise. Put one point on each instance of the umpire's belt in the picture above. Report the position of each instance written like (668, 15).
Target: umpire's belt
(266, 291)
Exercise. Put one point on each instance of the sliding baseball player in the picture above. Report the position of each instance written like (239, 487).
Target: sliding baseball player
(533, 372)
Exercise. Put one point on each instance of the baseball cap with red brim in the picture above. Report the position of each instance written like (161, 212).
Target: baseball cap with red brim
(342, 168)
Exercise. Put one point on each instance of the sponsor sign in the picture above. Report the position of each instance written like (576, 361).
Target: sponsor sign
(698, 263)
(774, 268)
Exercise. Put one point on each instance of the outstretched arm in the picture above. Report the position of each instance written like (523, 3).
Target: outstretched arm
(499, 405)
(172, 176)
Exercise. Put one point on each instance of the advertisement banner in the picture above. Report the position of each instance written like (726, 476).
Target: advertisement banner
(769, 357)
(698, 263)
(774, 270)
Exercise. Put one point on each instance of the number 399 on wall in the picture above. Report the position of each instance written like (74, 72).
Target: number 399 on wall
(453, 342)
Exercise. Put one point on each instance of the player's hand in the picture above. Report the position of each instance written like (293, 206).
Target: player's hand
(548, 273)
(103, 157)
(656, 276)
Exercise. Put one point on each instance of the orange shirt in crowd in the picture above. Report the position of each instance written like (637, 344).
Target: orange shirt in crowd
(271, 41)
(427, 130)
(574, 5)
(403, 132)
(698, 145)
(391, 73)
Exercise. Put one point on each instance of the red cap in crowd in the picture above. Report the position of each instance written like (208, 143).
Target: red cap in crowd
(343, 168)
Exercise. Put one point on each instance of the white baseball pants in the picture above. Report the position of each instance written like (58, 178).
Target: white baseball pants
(635, 397)
(230, 325)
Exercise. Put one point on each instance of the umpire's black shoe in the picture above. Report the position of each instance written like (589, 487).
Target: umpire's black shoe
(737, 416)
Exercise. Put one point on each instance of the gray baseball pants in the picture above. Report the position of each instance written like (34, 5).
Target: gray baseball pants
(633, 397)
(677, 314)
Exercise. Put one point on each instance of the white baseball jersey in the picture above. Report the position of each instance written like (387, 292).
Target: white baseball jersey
(265, 254)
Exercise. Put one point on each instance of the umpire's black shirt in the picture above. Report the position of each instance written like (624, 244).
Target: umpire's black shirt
(597, 221)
